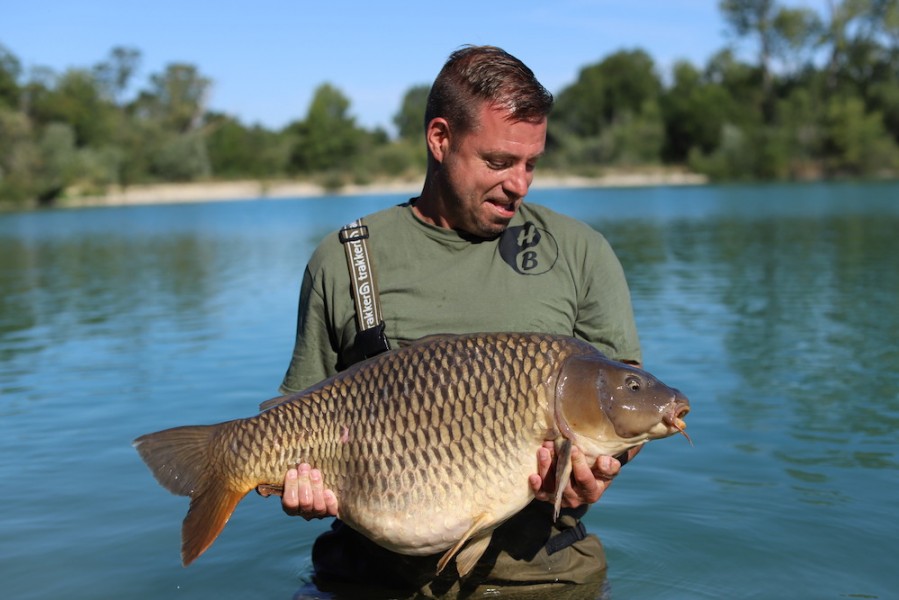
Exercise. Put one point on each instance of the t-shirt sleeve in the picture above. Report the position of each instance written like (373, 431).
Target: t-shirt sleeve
(605, 314)
(314, 357)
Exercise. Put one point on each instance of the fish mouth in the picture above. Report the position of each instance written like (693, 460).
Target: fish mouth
(674, 417)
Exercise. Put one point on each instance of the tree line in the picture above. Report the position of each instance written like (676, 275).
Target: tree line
(818, 99)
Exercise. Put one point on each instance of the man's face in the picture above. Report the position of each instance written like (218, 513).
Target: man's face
(486, 172)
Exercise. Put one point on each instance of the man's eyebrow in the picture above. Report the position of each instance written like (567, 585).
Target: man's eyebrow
(494, 154)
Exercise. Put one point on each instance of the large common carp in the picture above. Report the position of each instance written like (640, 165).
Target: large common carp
(428, 447)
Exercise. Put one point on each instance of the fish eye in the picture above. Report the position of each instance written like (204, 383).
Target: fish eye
(632, 383)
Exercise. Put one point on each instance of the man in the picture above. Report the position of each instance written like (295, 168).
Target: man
(468, 255)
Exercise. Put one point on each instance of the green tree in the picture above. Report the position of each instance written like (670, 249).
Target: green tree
(10, 71)
(180, 157)
(58, 166)
(410, 119)
(695, 111)
(732, 159)
(610, 115)
(138, 142)
(636, 138)
(851, 28)
(799, 118)
(328, 138)
(863, 57)
(857, 142)
(890, 24)
(617, 87)
(754, 18)
(236, 150)
(18, 157)
(884, 98)
(796, 36)
(114, 74)
(75, 99)
(782, 34)
(176, 98)
(742, 84)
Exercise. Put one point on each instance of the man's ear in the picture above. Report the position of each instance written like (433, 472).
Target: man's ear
(437, 137)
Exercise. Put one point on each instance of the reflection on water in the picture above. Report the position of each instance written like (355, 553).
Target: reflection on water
(816, 321)
(772, 307)
(809, 323)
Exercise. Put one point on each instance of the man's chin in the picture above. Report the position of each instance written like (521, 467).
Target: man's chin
(494, 230)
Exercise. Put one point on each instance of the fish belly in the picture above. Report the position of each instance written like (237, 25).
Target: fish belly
(426, 511)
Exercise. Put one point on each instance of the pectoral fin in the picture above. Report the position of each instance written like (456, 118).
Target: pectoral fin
(468, 557)
(563, 472)
(269, 489)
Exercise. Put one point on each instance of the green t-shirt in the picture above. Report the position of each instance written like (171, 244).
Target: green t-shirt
(546, 273)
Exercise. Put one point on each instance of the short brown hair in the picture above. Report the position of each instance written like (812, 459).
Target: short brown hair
(474, 74)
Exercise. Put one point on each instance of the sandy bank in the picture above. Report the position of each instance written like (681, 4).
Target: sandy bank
(170, 193)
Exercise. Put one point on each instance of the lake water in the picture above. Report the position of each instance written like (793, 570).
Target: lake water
(774, 308)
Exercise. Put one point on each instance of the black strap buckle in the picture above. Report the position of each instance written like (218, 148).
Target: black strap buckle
(566, 537)
(351, 233)
(373, 341)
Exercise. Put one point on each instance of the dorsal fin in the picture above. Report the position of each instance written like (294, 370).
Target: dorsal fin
(273, 402)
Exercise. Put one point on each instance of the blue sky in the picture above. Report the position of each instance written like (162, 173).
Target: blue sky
(266, 57)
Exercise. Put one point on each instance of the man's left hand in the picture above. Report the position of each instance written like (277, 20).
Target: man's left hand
(587, 482)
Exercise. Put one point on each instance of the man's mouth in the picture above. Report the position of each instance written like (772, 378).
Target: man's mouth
(504, 209)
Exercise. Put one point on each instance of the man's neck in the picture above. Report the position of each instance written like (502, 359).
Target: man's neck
(429, 207)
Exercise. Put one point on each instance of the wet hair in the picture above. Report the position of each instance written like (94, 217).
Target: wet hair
(476, 74)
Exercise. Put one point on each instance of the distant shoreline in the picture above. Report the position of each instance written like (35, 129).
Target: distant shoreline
(219, 191)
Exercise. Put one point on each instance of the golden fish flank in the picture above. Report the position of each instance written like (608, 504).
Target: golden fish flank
(428, 447)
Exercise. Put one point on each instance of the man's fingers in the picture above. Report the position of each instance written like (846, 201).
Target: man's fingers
(317, 490)
(539, 481)
(330, 503)
(544, 461)
(584, 487)
(290, 498)
(304, 487)
(305, 495)
(606, 468)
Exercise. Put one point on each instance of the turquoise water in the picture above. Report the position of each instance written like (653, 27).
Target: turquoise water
(773, 307)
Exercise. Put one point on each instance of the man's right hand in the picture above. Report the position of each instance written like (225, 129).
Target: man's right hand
(305, 495)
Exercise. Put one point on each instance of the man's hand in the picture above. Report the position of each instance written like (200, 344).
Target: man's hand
(305, 495)
(587, 482)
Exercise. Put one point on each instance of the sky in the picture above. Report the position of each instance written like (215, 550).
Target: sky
(267, 57)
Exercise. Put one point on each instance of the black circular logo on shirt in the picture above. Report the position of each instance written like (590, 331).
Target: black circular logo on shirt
(528, 249)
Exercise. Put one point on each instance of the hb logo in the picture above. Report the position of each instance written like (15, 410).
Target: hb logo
(528, 249)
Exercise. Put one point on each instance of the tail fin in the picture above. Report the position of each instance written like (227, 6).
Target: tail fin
(181, 461)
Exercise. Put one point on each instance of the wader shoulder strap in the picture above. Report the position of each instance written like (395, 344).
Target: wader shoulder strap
(370, 336)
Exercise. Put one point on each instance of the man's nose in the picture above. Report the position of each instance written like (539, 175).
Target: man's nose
(518, 181)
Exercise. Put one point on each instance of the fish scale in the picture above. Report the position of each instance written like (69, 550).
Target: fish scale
(427, 447)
